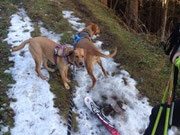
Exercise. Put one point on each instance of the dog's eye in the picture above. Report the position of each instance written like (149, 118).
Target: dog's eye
(77, 56)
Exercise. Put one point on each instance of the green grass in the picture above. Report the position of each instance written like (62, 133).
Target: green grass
(36, 31)
(62, 97)
(6, 113)
(145, 61)
(50, 13)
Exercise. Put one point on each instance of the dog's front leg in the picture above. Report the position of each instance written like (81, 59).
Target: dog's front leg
(66, 74)
(63, 75)
(90, 72)
(38, 70)
(93, 79)
(100, 64)
(46, 66)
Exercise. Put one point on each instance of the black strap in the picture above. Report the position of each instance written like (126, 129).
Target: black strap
(69, 123)
(71, 103)
(173, 95)
(175, 82)
(173, 52)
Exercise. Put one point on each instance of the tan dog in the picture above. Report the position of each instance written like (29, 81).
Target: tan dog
(42, 49)
(92, 54)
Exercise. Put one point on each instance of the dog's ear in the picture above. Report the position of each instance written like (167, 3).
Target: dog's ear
(94, 27)
(68, 51)
(90, 23)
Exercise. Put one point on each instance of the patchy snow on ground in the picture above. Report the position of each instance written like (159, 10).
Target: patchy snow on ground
(4, 129)
(119, 91)
(109, 91)
(35, 114)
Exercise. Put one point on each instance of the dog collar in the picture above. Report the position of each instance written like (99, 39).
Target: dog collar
(86, 29)
(67, 60)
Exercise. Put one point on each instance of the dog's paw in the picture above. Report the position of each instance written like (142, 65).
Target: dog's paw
(67, 86)
(106, 75)
(91, 87)
(44, 77)
(68, 80)
(52, 70)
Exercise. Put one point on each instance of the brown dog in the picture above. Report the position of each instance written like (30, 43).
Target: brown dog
(42, 48)
(92, 54)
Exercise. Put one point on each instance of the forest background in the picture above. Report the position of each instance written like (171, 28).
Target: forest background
(154, 17)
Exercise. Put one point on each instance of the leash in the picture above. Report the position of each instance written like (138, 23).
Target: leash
(76, 39)
(169, 95)
(71, 96)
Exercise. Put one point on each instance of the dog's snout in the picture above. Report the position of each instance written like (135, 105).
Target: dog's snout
(81, 63)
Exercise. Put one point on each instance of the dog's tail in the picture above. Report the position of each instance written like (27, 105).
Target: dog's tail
(21, 45)
(106, 56)
(93, 50)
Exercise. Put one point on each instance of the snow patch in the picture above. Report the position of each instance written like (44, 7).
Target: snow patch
(35, 114)
(113, 89)
(34, 108)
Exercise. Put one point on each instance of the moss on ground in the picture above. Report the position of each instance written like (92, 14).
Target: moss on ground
(50, 13)
(6, 113)
(145, 61)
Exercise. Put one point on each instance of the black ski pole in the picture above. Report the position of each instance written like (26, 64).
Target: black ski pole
(173, 94)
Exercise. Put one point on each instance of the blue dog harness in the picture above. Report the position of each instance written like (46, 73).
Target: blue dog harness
(77, 37)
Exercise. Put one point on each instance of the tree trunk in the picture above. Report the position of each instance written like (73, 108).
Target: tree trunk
(164, 21)
(174, 8)
(132, 13)
(157, 22)
(105, 2)
(141, 3)
(150, 15)
(127, 7)
(127, 12)
(114, 8)
(135, 8)
(111, 4)
(163, 3)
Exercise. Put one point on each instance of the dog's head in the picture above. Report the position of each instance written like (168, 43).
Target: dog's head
(79, 56)
(94, 28)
